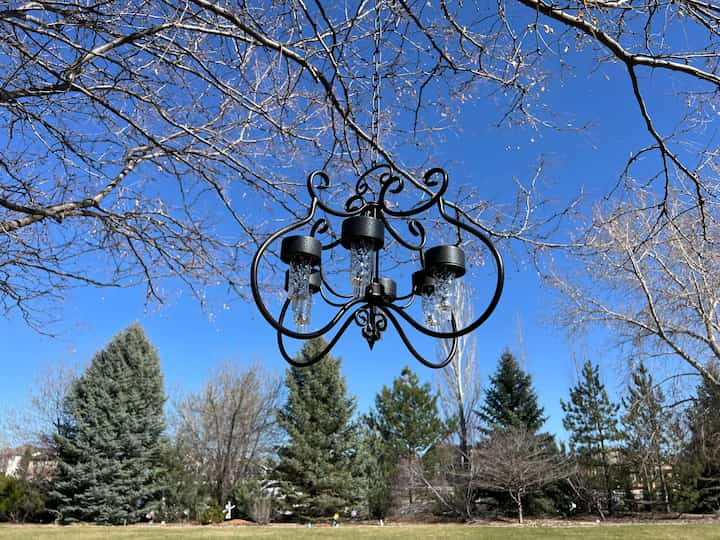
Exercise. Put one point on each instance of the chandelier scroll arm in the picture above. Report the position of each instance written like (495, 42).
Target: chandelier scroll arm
(332, 291)
(391, 168)
(315, 359)
(409, 296)
(416, 325)
(413, 350)
(415, 228)
(410, 300)
(321, 226)
(395, 184)
(328, 300)
(344, 308)
(324, 183)
(402, 175)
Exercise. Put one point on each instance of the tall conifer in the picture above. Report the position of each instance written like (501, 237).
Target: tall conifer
(511, 401)
(591, 420)
(109, 442)
(319, 463)
(406, 415)
(703, 452)
(646, 432)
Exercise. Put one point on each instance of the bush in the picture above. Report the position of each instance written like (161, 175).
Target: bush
(212, 514)
(253, 501)
(244, 494)
(20, 501)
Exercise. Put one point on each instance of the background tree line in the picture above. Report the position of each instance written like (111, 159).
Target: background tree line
(298, 449)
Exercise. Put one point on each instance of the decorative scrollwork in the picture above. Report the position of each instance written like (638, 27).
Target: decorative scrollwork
(389, 181)
(415, 228)
(395, 185)
(322, 226)
(373, 323)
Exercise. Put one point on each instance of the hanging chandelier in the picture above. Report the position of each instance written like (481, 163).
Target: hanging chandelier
(370, 224)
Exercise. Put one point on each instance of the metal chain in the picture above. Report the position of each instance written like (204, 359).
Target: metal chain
(376, 80)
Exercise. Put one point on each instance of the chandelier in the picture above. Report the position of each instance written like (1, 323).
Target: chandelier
(370, 224)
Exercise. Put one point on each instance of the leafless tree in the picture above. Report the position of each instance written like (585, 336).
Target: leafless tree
(654, 282)
(459, 383)
(459, 389)
(517, 462)
(138, 133)
(35, 421)
(584, 484)
(228, 429)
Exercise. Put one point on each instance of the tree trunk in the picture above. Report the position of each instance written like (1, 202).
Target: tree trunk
(518, 501)
(606, 473)
(663, 483)
(410, 473)
(464, 462)
(465, 459)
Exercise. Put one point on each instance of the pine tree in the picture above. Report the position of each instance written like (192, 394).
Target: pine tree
(511, 401)
(703, 453)
(406, 419)
(108, 445)
(319, 464)
(591, 419)
(645, 422)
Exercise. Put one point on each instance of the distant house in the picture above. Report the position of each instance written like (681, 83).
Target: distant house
(33, 463)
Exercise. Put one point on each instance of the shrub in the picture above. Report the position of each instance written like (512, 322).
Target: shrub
(253, 501)
(212, 514)
(19, 500)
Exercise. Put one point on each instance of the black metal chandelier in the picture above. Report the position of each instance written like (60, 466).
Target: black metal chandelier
(368, 215)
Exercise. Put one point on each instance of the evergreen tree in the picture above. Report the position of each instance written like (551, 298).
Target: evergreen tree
(109, 448)
(406, 419)
(319, 463)
(20, 499)
(591, 419)
(703, 453)
(380, 472)
(511, 401)
(646, 422)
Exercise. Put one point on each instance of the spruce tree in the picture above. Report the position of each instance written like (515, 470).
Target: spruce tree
(591, 420)
(406, 419)
(511, 401)
(108, 444)
(319, 463)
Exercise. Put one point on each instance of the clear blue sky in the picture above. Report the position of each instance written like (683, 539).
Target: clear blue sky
(481, 156)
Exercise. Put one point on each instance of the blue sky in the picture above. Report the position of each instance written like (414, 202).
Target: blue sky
(477, 155)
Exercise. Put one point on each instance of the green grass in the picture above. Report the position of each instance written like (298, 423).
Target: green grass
(677, 531)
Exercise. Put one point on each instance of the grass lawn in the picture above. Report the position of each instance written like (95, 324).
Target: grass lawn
(676, 531)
